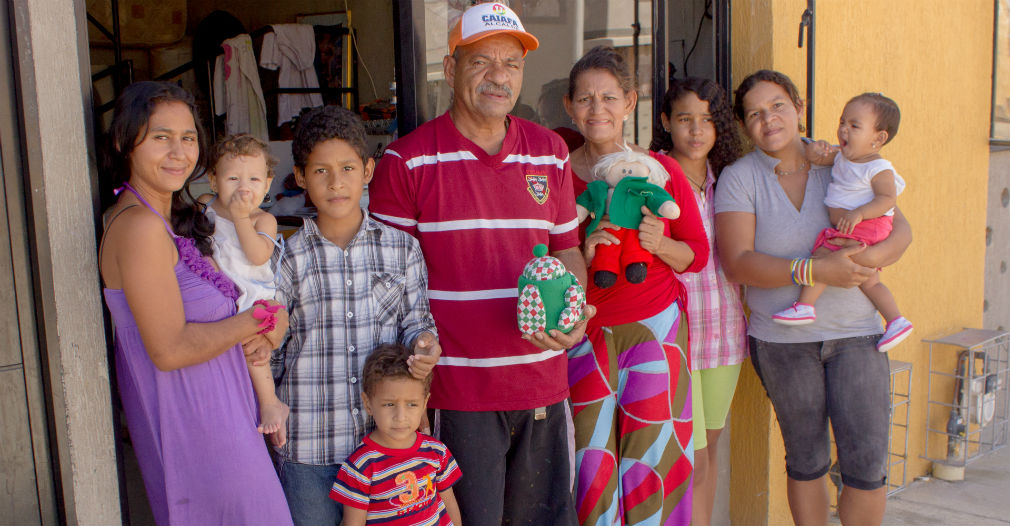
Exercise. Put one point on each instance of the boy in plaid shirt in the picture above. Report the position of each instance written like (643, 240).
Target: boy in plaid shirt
(349, 284)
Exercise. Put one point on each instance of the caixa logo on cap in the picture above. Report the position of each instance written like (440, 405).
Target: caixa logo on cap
(498, 19)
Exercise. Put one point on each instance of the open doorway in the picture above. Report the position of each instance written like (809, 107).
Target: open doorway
(179, 41)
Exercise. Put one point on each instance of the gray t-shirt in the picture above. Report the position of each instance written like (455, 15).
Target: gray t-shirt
(750, 185)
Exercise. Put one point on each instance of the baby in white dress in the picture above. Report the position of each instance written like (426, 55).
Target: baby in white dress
(860, 201)
(244, 240)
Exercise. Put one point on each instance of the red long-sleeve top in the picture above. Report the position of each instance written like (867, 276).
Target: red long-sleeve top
(626, 302)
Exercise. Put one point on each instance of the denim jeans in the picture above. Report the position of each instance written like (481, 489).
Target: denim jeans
(844, 381)
(307, 488)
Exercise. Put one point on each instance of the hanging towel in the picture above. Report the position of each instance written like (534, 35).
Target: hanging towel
(292, 48)
(237, 90)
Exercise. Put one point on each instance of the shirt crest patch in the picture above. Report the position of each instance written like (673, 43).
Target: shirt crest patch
(537, 187)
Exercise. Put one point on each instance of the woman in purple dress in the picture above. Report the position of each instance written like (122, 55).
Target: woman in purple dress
(179, 360)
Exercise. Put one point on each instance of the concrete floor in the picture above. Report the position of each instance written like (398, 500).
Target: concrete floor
(982, 498)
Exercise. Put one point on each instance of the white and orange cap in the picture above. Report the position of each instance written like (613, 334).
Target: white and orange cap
(484, 20)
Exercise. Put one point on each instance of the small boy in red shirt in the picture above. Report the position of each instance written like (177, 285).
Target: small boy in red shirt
(397, 475)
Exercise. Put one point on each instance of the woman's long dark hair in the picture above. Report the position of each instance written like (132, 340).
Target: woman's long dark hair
(727, 141)
(129, 126)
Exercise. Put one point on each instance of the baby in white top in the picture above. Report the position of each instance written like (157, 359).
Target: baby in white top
(244, 240)
(860, 201)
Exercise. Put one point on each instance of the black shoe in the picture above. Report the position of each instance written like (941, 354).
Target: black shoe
(635, 272)
(604, 278)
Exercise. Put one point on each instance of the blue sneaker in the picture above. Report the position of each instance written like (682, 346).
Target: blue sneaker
(897, 330)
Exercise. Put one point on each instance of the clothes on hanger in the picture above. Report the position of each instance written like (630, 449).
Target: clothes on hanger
(291, 48)
(237, 90)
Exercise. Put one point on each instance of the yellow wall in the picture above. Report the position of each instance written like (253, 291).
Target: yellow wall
(934, 59)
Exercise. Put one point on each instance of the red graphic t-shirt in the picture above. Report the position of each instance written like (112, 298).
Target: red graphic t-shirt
(398, 486)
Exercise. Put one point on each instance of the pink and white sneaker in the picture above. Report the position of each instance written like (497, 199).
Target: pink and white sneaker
(897, 330)
(798, 314)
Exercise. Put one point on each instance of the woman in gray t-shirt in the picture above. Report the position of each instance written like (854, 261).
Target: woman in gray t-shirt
(769, 209)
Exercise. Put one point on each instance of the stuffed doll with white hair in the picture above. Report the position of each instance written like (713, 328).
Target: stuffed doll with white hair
(624, 182)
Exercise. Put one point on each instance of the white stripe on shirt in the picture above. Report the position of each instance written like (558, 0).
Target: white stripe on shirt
(470, 295)
(491, 224)
(498, 361)
(536, 160)
(566, 227)
(318, 382)
(402, 221)
(440, 157)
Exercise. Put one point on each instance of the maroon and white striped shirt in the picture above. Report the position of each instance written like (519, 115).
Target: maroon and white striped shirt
(477, 218)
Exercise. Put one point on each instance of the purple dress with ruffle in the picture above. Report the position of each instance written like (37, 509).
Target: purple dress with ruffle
(194, 428)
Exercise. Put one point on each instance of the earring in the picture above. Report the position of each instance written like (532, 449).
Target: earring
(625, 117)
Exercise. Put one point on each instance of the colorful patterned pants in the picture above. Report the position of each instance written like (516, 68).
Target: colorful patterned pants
(631, 398)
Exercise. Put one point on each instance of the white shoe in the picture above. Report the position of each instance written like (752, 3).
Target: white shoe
(798, 314)
(897, 330)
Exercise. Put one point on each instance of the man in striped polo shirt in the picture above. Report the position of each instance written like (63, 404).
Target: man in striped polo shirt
(479, 189)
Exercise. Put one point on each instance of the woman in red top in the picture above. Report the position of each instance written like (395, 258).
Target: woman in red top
(631, 377)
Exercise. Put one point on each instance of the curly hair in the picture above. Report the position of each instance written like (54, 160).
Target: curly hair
(134, 109)
(886, 110)
(727, 140)
(240, 145)
(323, 123)
(765, 75)
(388, 360)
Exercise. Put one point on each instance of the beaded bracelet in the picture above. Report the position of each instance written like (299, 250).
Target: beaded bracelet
(802, 271)
(267, 314)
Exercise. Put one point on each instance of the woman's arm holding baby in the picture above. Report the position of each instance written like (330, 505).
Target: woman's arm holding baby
(735, 234)
(885, 193)
(890, 250)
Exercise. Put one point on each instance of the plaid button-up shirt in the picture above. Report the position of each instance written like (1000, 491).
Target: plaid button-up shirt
(342, 303)
(716, 321)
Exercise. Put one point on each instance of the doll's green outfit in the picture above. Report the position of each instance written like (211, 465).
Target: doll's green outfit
(625, 211)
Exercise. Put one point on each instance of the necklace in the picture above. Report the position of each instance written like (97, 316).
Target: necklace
(692, 173)
(783, 173)
(698, 186)
(585, 155)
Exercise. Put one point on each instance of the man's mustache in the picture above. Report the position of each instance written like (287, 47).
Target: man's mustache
(491, 88)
